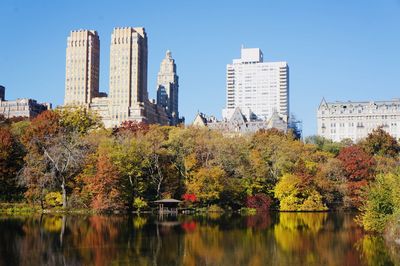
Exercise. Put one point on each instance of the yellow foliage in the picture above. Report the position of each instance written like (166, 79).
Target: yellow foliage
(206, 184)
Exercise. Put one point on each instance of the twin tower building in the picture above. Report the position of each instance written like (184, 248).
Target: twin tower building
(128, 96)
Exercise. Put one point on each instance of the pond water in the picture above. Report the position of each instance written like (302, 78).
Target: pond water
(269, 239)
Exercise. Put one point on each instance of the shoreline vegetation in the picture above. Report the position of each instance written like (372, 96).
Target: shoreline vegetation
(65, 161)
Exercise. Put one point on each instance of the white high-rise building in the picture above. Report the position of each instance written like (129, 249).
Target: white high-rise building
(82, 67)
(258, 88)
(355, 120)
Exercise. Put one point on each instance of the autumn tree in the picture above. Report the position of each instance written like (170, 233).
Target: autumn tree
(56, 152)
(129, 155)
(206, 184)
(11, 161)
(358, 169)
(272, 154)
(131, 127)
(381, 143)
(106, 186)
(78, 119)
(382, 201)
(293, 196)
(158, 156)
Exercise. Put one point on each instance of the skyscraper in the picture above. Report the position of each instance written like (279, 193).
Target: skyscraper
(258, 88)
(167, 88)
(128, 74)
(82, 67)
(128, 96)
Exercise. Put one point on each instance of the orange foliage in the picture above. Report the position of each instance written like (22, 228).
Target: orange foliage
(105, 186)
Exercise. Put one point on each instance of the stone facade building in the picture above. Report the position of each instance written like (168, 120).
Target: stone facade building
(82, 67)
(355, 120)
(168, 88)
(237, 123)
(21, 107)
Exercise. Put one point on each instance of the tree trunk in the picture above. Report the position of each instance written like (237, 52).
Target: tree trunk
(64, 194)
(64, 219)
(132, 195)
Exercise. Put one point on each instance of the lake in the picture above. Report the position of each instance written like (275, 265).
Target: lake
(269, 239)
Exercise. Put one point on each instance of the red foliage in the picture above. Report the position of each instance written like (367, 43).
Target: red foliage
(189, 197)
(305, 175)
(358, 164)
(132, 127)
(358, 170)
(260, 201)
(43, 127)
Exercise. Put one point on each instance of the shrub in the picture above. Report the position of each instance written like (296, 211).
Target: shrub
(382, 201)
(260, 202)
(139, 203)
(53, 199)
(189, 197)
(214, 208)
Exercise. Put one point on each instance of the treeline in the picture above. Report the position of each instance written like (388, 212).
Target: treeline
(66, 158)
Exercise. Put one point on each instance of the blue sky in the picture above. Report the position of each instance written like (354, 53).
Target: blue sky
(340, 50)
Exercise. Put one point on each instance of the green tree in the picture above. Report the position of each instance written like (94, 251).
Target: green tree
(128, 154)
(382, 202)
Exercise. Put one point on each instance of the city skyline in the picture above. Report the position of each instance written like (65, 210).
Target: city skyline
(127, 99)
(337, 51)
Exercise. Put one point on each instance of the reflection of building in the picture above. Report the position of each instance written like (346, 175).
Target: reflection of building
(128, 96)
(258, 88)
(355, 120)
(168, 87)
(238, 123)
(21, 107)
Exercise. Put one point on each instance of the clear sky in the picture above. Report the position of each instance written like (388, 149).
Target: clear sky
(341, 50)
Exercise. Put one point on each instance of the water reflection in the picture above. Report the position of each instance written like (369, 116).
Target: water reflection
(268, 239)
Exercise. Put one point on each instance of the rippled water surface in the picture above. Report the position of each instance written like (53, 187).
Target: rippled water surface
(270, 239)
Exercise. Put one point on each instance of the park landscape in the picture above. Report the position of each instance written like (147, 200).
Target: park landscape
(65, 166)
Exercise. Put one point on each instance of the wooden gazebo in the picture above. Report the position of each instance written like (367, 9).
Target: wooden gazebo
(168, 205)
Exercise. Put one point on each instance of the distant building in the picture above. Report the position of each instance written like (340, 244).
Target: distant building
(258, 88)
(355, 120)
(168, 88)
(128, 96)
(238, 123)
(21, 107)
(2, 93)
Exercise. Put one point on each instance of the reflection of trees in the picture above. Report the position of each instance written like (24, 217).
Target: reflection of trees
(260, 221)
(32, 241)
(284, 239)
(317, 239)
(375, 252)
